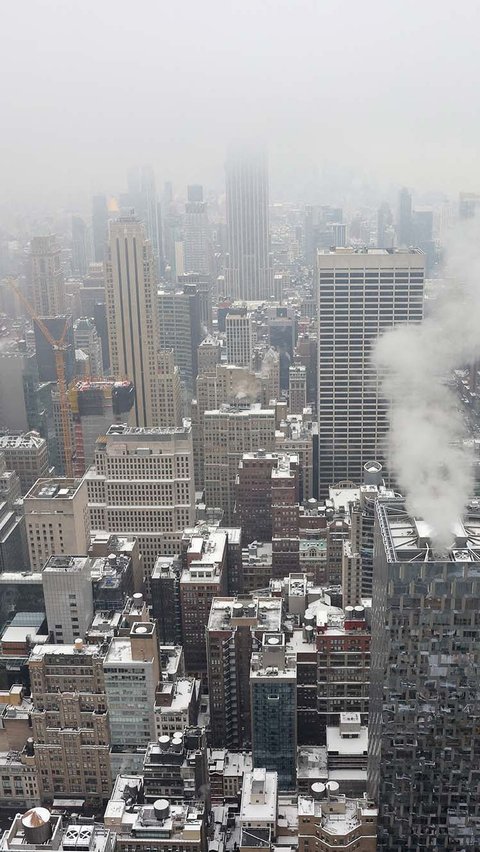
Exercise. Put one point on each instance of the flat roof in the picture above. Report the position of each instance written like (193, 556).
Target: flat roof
(356, 744)
(264, 613)
(264, 811)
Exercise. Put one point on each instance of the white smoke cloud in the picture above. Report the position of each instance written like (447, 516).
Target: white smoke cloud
(426, 454)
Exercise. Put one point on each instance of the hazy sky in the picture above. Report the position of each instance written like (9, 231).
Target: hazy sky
(380, 91)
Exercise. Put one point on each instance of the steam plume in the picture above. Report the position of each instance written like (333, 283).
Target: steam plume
(425, 449)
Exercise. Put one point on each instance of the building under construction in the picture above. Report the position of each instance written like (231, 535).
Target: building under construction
(94, 406)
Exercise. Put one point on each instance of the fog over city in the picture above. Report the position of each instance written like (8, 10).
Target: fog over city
(350, 97)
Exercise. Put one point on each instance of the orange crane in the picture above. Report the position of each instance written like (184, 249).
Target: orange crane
(59, 348)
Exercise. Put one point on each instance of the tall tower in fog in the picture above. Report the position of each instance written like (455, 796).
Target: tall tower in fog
(248, 265)
(131, 299)
(47, 285)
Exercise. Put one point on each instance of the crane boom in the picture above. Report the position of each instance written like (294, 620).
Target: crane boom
(59, 348)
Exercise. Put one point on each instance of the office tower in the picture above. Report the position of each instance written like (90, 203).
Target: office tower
(68, 593)
(80, 246)
(142, 197)
(385, 230)
(273, 689)
(422, 235)
(180, 329)
(238, 327)
(360, 294)
(70, 721)
(285, 516)
(131, 299)
(331, 820)
(131, 670)
(92, 289)
(23, 399)
(306, 356)
(318, 225)
(235, 629)
(248, 272)
(27, 454)
(99, 227)
(357, 565)
(209, 354)
(203, 284)
(299, 437)
(13, 549)
(196, 235)
(203, 579)
(165, 595)
(46, 282)
(94, 407)
(423, 763)
(142, 484)
(297, 389)
(195, 193)
(169, 390)
(57, 519)
(404, 219)
(87, 339)
(339, 234)
(468, 205)
(228, 434)
(253, 496)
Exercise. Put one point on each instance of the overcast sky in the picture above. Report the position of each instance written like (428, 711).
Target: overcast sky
(382, 92)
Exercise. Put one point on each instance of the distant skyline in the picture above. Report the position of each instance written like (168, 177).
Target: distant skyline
(376, 93)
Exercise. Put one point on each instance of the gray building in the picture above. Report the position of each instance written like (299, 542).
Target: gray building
(424, 745)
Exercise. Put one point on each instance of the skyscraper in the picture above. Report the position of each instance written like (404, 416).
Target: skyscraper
(248, 266)
(131, 298)
(196, 233)
(424, 745)
(99, 227)
(80, 246)
(360, 294)
(47, 285)
(404, 218)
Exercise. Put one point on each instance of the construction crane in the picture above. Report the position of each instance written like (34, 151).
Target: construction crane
(59, 348)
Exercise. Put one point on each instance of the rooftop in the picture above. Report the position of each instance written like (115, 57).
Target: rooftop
(259, 797)
(67, 565)
(152, 433)
(25, 440)
(407, 539)
(60, 488)
(262, 613)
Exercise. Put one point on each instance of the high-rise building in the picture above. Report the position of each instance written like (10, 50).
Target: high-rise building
(23, 398)
(94, 407)
(285, 516)
(87, 339)
(228, 434)
(68, 594)
(249, 273)
(44, 353)
(404, 219)
(165, 595)
(80, 246)
(142, 197)
(385, 229)
(46, 281)
(360, 294)
(131, 670)
(423, 766)
(13, 548)
(235, 629)
(99, 227)
(27, 454)
(180, 329)
(239, 338)
(203, 579)
(468, 205)
(297, 389)
(333, 821)
(196, 234)
(57, 519)
(70, 721)
(142, 484)
(169, 390)
(131, 298)
(273, 686)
